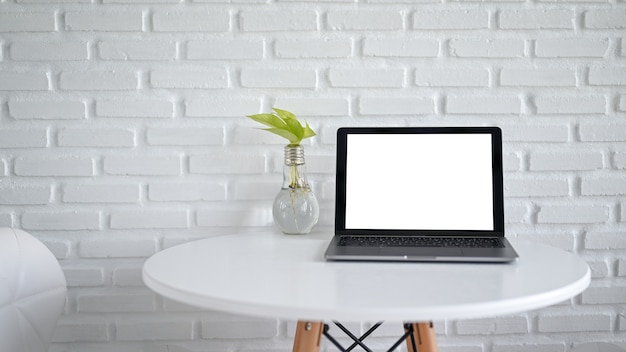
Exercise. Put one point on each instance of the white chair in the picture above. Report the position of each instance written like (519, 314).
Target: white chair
(32, 292)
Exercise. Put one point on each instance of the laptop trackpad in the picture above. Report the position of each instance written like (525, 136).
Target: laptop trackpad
(421, 252)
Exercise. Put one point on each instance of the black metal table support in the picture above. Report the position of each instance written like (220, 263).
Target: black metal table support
(358, 341)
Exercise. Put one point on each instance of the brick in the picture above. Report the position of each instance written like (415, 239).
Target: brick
(622, 103)
(46, 110)
(536, 187)
(186, 192)
(117, 247)
(99, 80)
(611, 186)
(60, 248)
(162, 166)
(278, 78)
(574, 323)
(272, 21)
(364, 20)
(535, 133)
(127, 21)
(529, 347)
(154, 330)
(511, 162)
(537, 19)
(400, 47)
(621, 271)
(225, 217)
(28, 81)
(604, 295)
(61, 220)
(366, 77)
(450, 20)
(501, 325)
(24, 194)
(81, 332)
(571, 48)
(602, 132)
(552, 77)
(216, 78)
(222, 107)
(256, 190)
(599, 269)
(31, 138)
(149, 219)
(101, 193)
(250, 134)
(248, 329)
(396, 106)
(125, 277)
(50, 167)
(562, 239)
(176, 306)
(584, 104)
(115, 303)
(49, 51)
(492, 48)
(573, 214)
(318, 106)
(191, 21)
(227, 163)
(27, 22)
(451, 77)
(614, 76)
(103, 138)
(619, 160)
(83, 277)
(307, 48)
(139, 108)
(185, 136)
(6, 220)
(226, 49)
(605, 19)
(483, 105)
(135, 50)
(566, 161)
(604, 240)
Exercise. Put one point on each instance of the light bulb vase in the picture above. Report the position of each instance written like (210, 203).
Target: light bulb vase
(295, 209)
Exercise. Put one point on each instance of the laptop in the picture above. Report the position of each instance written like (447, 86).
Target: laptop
(419, 194)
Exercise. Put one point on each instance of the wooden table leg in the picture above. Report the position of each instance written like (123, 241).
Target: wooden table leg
(424, 335)
(308, 336)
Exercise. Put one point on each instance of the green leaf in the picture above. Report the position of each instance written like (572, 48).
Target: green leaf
(285, 115)
(308, 131)
(292, 138)
(269, 120)
(296, 128)
(284, 124)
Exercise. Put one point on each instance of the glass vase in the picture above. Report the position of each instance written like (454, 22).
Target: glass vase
(295, 210)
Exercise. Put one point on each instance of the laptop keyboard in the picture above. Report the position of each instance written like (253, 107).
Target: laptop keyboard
(412, 241)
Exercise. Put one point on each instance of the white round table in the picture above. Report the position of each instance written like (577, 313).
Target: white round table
(274, 275)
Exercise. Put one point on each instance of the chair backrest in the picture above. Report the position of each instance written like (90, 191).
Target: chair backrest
(32, 292)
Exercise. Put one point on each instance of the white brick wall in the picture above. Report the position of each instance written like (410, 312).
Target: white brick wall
(122, 132)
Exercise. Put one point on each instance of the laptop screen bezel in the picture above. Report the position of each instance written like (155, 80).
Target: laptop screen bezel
(497, 180)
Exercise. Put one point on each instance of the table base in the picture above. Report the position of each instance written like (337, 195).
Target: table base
(418, 336)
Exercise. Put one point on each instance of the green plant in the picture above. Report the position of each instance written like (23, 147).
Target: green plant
(284, 124)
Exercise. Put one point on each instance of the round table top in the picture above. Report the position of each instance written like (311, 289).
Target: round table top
(274, 275)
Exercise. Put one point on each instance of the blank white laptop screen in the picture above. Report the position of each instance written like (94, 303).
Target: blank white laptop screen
(419, 181)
